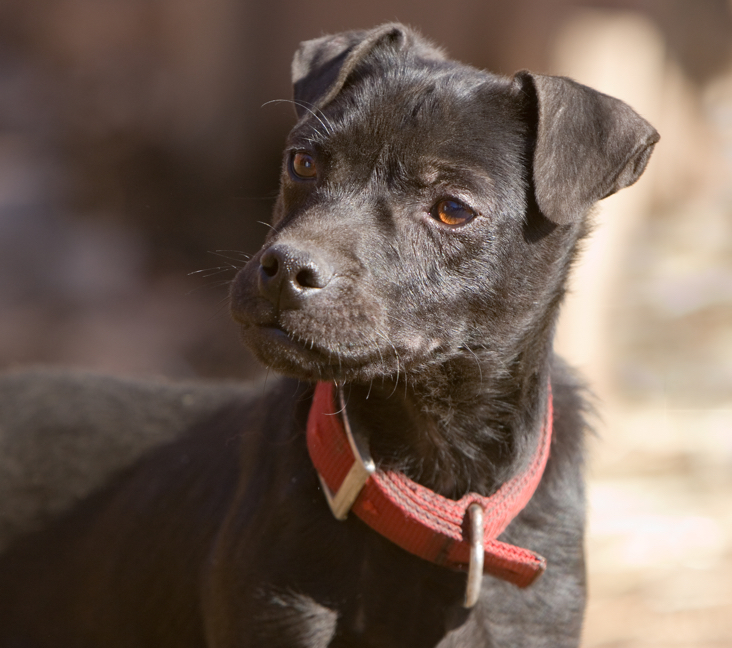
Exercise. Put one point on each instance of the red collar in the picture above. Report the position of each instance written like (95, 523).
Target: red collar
(415, 518)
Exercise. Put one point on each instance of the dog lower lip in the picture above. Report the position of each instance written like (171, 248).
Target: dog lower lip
(281, 337)
(302, 353)
(276, 332)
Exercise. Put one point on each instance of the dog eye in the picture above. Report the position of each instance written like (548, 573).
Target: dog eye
(303, 166)
(452, 212)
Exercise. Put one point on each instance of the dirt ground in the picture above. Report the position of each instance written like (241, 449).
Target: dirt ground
(660, 533)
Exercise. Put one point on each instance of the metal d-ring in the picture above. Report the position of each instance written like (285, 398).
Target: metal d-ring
(477, 554)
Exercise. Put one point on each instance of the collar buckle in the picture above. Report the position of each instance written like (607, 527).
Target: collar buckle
(362, 468)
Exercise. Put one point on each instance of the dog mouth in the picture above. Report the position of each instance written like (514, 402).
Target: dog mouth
(338, 356)
(278, 336)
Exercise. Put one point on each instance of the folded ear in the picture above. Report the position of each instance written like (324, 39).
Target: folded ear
(322, 66)
(588, 145)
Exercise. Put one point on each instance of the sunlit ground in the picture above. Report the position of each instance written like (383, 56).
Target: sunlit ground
(660, 536)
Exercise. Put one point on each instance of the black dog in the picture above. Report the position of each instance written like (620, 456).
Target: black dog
(427, 220)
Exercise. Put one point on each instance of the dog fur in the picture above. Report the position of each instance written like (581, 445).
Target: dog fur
(211, 529)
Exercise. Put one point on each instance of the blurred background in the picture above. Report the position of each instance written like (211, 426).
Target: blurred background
(138, 165)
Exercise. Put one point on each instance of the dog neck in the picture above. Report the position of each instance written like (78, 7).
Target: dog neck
(470, 421)
(416, 518)
(466, 425)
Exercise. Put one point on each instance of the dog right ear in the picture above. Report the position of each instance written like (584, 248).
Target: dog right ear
(588, 145)
(322, 66)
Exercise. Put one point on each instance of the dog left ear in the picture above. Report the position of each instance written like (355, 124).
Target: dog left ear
(322, 66)
(588, 145)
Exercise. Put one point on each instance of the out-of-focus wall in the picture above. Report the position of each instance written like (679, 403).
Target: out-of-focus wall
(649, 323)
(134, 143)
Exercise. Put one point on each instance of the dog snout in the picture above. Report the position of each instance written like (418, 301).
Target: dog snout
(288, 276)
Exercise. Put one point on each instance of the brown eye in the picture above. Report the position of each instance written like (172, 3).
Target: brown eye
(452, 212)
(303, 166)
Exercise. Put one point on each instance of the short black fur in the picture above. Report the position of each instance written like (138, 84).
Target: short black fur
(441, 335)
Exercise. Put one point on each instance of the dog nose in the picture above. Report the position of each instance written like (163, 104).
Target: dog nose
(288, 275)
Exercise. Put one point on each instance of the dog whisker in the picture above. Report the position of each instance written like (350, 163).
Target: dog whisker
(396, 382)
(266, 224)
(324, 123)
(266, 378)
(212, 272)
(328, 125)
(378, 348)
(477, 361)
(238, 255)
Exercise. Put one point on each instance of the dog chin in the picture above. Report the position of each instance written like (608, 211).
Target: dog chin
(283, 353)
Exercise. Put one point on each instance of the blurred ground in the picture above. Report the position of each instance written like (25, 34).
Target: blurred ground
(133, 143)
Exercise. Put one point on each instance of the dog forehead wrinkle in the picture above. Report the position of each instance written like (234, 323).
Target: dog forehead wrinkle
(436, 152)
(368, 138)
(449, 172)
(370, 102)
(397, 168)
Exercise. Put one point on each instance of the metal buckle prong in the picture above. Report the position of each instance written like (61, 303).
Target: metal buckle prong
(362, 468)
(477, 555)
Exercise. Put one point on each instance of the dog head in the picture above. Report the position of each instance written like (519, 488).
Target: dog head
(427, 210)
